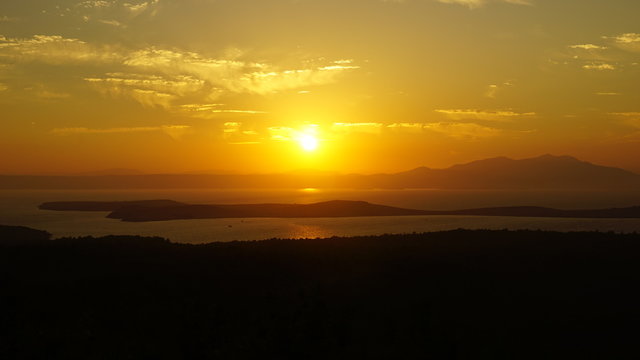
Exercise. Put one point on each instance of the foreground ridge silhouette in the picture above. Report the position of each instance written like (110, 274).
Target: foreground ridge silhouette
(448, 295)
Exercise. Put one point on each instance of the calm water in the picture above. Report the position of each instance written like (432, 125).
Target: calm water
(20, 208)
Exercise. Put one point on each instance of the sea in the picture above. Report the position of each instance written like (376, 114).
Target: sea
(20, 207)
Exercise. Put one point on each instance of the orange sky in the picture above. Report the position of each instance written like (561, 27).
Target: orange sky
(381, 86)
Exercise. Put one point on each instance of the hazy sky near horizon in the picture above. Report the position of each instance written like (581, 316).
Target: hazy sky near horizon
(382, 85)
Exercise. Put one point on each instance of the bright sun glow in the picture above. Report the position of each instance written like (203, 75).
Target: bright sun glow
(308, 142)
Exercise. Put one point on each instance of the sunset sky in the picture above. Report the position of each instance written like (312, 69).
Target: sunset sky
(258, 86)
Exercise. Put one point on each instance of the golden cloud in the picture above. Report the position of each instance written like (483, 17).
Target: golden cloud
(169, 74)
(357, 127)
(467, 131)
(55, 50)
(474, 114)
(601, 67)
(174, 131)
(472, 4)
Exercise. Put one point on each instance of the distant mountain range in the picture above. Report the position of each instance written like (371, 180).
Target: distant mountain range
(544, 172)
(162, 210)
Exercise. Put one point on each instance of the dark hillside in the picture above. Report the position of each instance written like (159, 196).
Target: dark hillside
(450, 295)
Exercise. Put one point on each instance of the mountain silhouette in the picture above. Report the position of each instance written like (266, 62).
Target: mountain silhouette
(543, 172)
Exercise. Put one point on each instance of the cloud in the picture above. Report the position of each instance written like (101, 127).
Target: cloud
(5, 18)
(141, 7)
(55, 50)
(493, 89)
(406, 127)
(472, 4)
(114, 23)
(234, 75)
(627, 41)
(236, 133)
(262, 82)
(51, 95)
(627, 114)
(628, 38)
(588, 47)
(600, 67)
(281, 133)
(285, 133)
(231, 128)
(232, 111)
(607, 57)
(364, 127)
(174, 131)
(473, 114)
(468, 131)
(209, 111)
(95, 4)
(160, 77)
(629, 120)
(149, 90)
(134, 7)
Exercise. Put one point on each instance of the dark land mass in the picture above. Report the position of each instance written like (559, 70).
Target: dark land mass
(162, 210)
(105, 205)
(448, 295)
(544, 172)
(159, 210)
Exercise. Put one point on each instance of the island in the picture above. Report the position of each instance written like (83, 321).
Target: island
(163, 210)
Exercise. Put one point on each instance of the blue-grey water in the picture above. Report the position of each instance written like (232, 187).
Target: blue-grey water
(20, 208)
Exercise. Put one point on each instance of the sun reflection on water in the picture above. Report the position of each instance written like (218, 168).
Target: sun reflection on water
(298, 231)
(309, 190)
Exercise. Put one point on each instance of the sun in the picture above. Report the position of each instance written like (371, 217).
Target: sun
(308, 142)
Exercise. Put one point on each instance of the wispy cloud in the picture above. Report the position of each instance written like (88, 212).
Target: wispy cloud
(282, 133)
(149, 90)
(601, 67)
(287, 133)
(474, 114)
(231, 128)
(91, 4)
(406, 127)
(493, 89)
(472, 4)
(627, 114)
(628, 38)
(363, 127)
(588, 47)
(6, 19)
(51, 95)
(210, 111)
(234, 75)
(627, 41)
(631, 120)
(56, 50)
(115, 23)
(160, 77)
(174, 131)
(468, 131)
(140, 7)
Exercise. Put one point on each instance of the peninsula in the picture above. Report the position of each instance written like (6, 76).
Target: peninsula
(163, 210)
